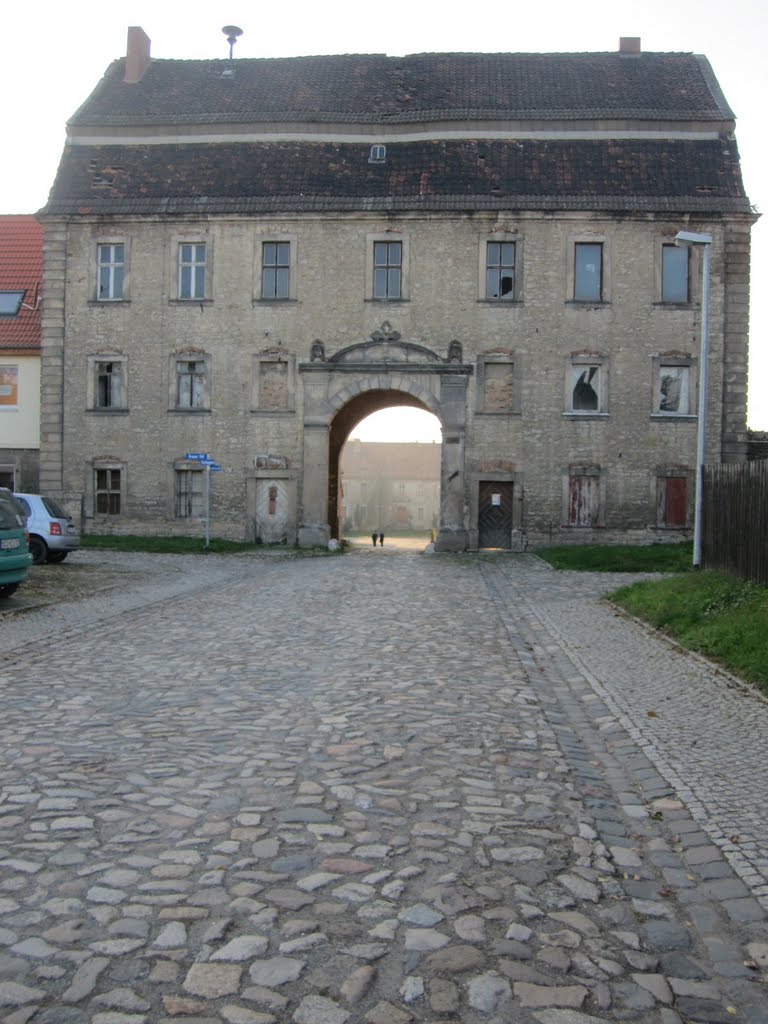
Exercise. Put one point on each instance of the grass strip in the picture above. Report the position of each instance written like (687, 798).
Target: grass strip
(714, 614)
(620, 557)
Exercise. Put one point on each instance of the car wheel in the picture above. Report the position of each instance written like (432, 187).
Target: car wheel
(38, 549)
(8, 589)
(57, 556)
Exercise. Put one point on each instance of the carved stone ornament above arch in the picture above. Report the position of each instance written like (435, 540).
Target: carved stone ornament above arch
(386, 350)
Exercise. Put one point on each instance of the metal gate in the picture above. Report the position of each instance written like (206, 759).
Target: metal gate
(495, 514)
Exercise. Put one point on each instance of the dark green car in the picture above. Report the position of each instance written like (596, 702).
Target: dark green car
(15, 558)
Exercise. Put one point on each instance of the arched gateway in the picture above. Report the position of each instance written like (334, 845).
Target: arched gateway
(344, 388)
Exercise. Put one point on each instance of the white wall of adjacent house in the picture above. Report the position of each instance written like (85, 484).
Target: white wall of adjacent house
(19, 401)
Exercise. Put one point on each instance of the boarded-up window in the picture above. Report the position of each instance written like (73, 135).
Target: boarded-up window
(499, 387)
(273, 385)
(583, 499)
(671, 501)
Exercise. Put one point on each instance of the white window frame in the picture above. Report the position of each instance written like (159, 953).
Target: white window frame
(111, 265)
(176, 249)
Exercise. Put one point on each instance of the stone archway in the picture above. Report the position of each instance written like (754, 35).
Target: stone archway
(344, 422)
(341, 389)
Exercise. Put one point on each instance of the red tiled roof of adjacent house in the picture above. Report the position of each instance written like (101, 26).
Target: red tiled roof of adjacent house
(375, 88)
(21, 269)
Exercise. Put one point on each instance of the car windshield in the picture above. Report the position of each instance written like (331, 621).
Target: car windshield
(53, 508)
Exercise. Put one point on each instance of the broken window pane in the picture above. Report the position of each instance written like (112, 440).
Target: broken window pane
(673, 389)
(500, 271)
(585, 394)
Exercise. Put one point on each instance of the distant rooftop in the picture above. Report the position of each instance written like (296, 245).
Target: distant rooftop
(21, 274)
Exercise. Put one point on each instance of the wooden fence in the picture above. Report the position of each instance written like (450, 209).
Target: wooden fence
(735, 519)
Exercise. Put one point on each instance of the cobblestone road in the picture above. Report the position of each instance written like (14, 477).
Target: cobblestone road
(373, 789)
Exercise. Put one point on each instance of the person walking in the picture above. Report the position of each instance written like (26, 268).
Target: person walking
(374, 535)
(381, 539)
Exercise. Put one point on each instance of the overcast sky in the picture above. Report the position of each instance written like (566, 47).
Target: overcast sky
(52, 55)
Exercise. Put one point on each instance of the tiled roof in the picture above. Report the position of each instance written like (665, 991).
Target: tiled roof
(21, 267)
(629, 174)
(376, 89)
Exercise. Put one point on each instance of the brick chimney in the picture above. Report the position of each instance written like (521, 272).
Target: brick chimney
(629, 44)
(137, 58)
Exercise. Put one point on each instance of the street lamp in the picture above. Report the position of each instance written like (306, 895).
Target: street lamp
(693, 239)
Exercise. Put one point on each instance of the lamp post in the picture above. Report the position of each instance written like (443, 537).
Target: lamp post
(693, 239)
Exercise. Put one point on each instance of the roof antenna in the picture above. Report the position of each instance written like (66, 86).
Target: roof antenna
(232, 32)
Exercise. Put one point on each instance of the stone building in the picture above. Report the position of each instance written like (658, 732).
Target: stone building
(390, 485)
(245, 258)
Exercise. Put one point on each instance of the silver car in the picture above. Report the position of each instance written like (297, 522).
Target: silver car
(52, 532)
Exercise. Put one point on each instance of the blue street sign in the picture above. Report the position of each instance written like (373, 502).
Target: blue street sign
(214, 467)
(197, 456)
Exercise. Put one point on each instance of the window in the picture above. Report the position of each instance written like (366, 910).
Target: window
(584, 497)
(500, 271)
(189, 493)
(586, 385)
(588, 272)
(190, 383)
(192, 267)
(377, 155)
(675, 273)
(110, 260)
(275, 270)
(106, 491)
(674, 392)
(108, 385)
(671, 501)
(673, 389)
(10, 302)
(387, 270)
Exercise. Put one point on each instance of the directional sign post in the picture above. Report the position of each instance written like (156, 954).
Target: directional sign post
(210, 466)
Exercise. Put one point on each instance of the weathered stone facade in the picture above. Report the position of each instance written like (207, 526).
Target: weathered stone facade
(270, 379)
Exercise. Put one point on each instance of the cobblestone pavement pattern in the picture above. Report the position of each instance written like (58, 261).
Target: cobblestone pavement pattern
(373, 789)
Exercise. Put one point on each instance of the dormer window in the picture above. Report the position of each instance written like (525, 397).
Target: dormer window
(378, 154)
